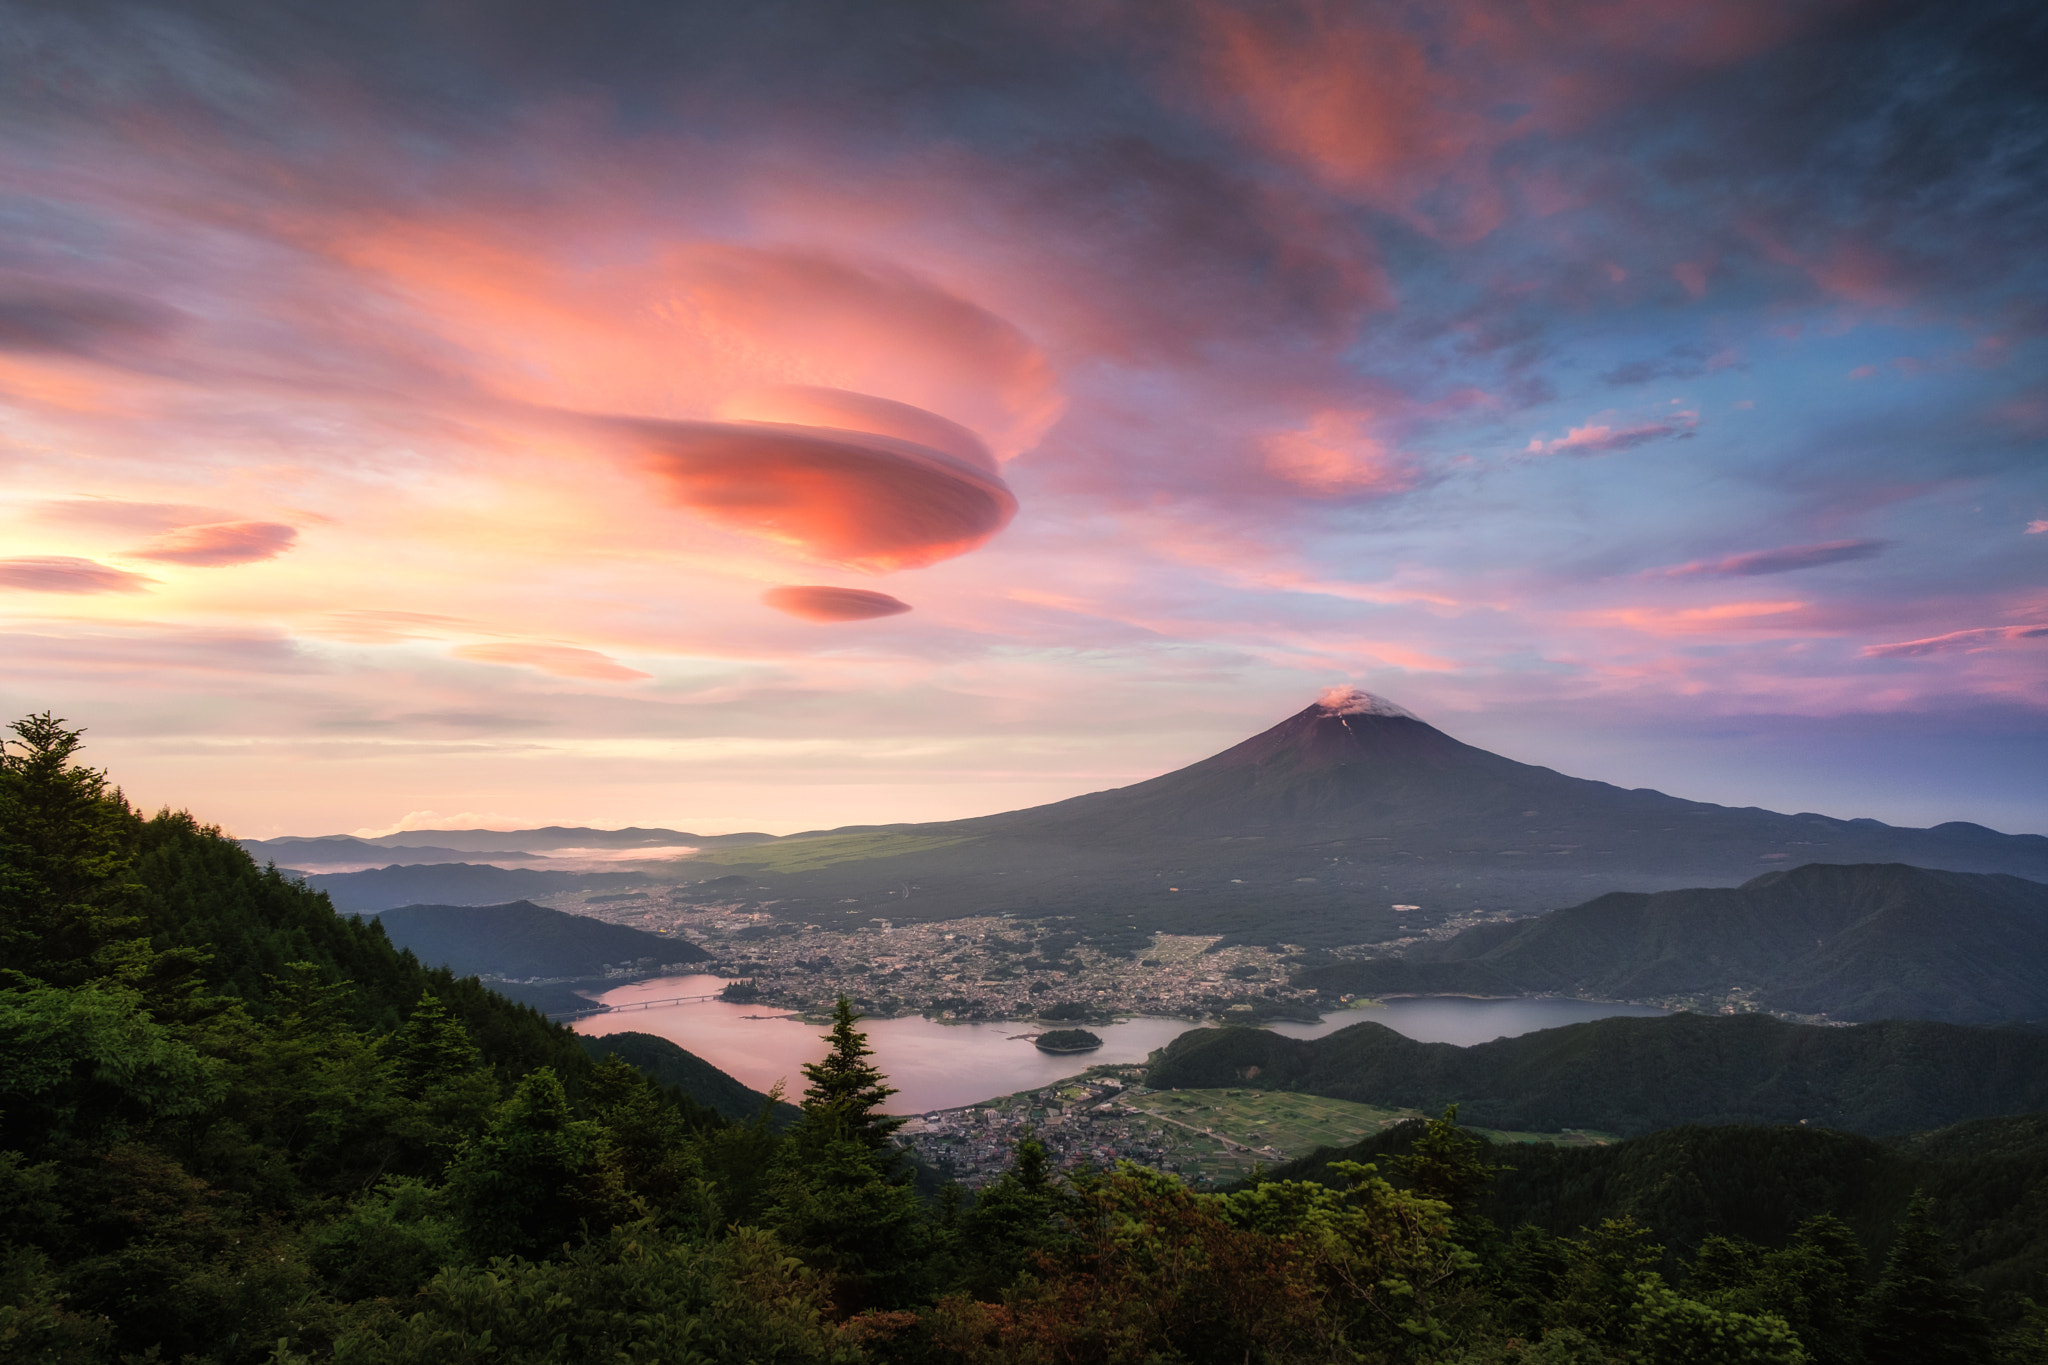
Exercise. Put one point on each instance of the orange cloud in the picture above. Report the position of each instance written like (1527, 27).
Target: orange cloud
(564, 661)
(220, 544)
(63, 573)
(671, 335)
(833, 604)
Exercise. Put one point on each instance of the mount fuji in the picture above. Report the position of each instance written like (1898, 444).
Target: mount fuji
(1351, 821)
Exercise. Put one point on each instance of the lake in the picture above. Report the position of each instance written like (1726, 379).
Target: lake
(936, 1065)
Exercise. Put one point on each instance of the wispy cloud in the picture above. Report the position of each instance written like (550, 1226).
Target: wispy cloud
(1783, 560)
(1605, 439)
(66, 574)
(563, 661)
(1981, 637)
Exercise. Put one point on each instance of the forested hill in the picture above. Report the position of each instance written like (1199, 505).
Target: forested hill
(522, 940)
(1988, 1179)
(1635, 1075)
(1858, 942)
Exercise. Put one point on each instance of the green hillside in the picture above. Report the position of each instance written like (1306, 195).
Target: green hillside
(1634, 1075)
(1882, 941)
(668, 1064)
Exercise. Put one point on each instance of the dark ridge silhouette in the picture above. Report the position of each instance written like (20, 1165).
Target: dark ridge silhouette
(525, 940)
(1871, 941)
(1626, 1075)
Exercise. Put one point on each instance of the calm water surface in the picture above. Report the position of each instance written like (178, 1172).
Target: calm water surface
(940, 1066)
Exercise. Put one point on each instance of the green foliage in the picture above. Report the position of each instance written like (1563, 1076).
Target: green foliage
(85, 1066)
(67, 888)
(632, 1295)
(1672, 1330)
(1919, 1313)
(539, 1178)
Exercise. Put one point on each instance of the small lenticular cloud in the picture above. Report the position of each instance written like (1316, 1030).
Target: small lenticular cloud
(220, 544)
(63, 573)
(833, 604)
(2035, 528)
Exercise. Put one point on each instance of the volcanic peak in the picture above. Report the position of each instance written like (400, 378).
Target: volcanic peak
(1346, 700)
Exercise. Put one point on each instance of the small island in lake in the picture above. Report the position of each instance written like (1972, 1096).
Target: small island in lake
(1068, 1040)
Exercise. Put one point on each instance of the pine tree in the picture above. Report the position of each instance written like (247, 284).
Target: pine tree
(1920, 1313)
(66, 864)
(846, 1090)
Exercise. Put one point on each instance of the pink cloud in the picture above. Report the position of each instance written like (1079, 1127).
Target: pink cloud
(220, 544)
(63, 573)
(1698, 620)
(833, 604)
(859, 498)
(1980, 638)
(564, 661)
(2035, 528)
(1602, 439)
(1783, 560)
(1335, 455)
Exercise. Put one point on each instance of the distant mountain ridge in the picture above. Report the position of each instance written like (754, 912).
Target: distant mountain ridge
(388, 888)
(1855, 943)
(523, 940)
(1628, 1076)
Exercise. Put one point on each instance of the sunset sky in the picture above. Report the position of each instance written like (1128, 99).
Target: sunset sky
(777, 416)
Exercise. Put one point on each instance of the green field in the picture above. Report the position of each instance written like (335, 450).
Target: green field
(807, 855)
(1291, 1124)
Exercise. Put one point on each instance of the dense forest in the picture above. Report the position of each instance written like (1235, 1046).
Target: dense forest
(238, 1127)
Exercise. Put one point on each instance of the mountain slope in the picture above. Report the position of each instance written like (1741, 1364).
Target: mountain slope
(1857, 943)
(1311, 831)
(523, 940)
(1629, 1075)
(669, 1064)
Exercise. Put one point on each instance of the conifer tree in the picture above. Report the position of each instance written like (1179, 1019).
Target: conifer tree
(846, 1090)
(66, 867)
(1920, 1313)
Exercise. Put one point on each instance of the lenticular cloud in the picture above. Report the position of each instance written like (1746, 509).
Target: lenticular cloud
(846, 477)
(220, 543)
(834, 604)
